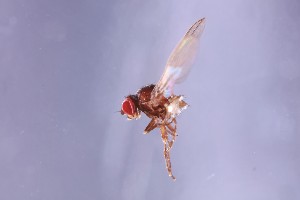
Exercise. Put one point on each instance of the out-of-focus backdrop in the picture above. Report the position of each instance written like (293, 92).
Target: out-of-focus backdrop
(65, 67)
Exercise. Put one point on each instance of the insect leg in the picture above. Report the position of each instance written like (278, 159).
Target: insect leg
(152, 125)
(164, 136)
(172, 131)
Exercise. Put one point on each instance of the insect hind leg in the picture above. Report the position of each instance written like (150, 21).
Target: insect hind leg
(167, 148)
(172, 131)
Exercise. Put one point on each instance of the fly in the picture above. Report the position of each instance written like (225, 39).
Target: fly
(158, 101)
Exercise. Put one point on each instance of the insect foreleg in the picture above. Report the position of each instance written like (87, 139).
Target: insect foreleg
(152, 125)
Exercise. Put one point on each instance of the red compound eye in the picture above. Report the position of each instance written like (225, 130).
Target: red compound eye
(128, 107)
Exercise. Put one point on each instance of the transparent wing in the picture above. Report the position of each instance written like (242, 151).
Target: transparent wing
(180, 60)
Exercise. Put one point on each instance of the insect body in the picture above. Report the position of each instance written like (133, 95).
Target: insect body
(158, 101)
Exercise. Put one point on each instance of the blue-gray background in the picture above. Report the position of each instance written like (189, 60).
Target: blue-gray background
(65, 67)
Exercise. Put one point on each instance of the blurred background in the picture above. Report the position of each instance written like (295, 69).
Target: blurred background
(65, 67)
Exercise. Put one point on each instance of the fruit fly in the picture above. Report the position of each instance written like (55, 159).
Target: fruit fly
(158, 101)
